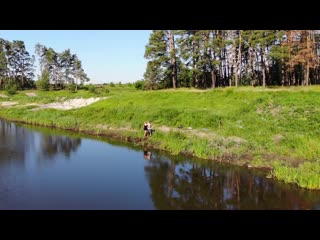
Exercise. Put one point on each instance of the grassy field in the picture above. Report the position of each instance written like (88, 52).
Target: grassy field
(278, 128)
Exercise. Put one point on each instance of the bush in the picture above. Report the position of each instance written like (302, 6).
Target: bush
(11, 89)
(71, 87)
(83, 87)
(92, 88)
(106, 90)
(139, 84)
(43, 82)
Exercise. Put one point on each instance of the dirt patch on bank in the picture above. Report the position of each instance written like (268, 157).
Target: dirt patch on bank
(31, 94)
(8, 104)
(70, 104)
(3, 96)
(164, 129)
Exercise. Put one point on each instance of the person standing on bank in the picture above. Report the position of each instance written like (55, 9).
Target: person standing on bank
(145, 128)
(149, 127)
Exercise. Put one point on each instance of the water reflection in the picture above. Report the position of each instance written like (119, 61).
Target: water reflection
(53, 145)
(17, 140)
(111, 175)
(13, 144)
(147, 154)
(183, 185)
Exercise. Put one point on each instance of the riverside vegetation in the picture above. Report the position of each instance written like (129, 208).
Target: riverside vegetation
(275, 128)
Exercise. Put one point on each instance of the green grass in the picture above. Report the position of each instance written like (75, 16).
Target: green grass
(306, 175)
(281, 123)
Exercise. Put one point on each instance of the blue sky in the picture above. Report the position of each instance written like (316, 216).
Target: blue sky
(106, 55)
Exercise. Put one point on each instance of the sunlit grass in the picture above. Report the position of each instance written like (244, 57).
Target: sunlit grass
(280, 121)
(306, 175)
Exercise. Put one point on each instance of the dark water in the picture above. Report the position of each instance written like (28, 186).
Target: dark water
(49, 169)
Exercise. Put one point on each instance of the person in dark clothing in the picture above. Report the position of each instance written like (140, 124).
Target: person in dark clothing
(149, 128)
(147, 154)
(145, 128)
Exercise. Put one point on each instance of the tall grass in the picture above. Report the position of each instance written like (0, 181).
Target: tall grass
(281, 122)
(306, 175)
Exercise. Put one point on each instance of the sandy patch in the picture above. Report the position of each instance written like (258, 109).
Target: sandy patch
(33, 104)
(8, 104)
(3, 96)
(164, 129)
(277, 138)
(70, 104)
(31, 94)
(234, 139)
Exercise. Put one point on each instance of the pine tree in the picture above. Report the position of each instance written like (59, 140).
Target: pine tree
(162, 68)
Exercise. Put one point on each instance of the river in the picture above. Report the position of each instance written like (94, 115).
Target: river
(42, 168)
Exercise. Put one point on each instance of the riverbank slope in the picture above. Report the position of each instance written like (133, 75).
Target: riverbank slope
(276, 128)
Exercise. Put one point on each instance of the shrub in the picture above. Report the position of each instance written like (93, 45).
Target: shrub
(92, 88)
(11, 89)
(43, 82)
(106, 90)
(139, 84)
(71, 87)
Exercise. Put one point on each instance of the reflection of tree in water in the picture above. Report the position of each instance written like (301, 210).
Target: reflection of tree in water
(13, 143)
(216, 186)
(52, 145)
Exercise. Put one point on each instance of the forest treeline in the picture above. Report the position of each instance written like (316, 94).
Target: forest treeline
(58, 70)
(219, 58)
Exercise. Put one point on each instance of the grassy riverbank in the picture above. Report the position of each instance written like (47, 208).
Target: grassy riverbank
(276, 128)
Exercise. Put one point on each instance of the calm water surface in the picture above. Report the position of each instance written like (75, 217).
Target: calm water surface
(49, 169)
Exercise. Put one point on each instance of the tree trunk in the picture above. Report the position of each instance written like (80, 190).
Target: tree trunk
(195, 74)
(263, 68)
(306, 73)
(225, 78)
(230, 73)
(220, 72)
(252, 66)
(235, 64)
(172, 58)
(171, 179)
(213, 76)
(55, 77)
(22, 76)
(307, 65)
(239, 61)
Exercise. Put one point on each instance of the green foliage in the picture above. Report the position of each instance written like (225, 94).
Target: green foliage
(306, 175)
(11, 88)
(200, 57)
(83, 87)
(71, 87)
(282, 123)
(92, 88)
(43, 81)
(139, 84)
(64, 67)
(159, 69)
(106, 90)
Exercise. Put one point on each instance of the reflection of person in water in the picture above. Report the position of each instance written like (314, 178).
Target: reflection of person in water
(147, 154)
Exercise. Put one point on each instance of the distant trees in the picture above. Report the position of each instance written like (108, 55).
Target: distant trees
(57, 69)
(16, 65)
(161, 69)
(64, 68)
(215, 58)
